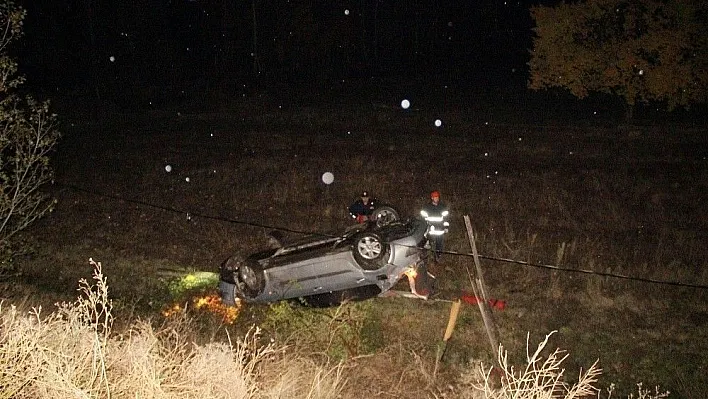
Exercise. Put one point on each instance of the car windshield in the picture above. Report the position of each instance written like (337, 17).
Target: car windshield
(306, 244)
(398, 230)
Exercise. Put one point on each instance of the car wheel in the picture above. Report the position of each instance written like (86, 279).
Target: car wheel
(251, 278)
(385, 215)
(370, 251)
(227, 291)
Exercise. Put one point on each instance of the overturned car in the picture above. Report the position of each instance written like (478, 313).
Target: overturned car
(364, 261)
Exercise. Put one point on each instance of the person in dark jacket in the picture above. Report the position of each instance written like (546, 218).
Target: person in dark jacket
(363, 208)
(436, 214)
(276, 239)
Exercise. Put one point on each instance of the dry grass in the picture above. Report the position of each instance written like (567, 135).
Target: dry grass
(73, 352)
(301, 377)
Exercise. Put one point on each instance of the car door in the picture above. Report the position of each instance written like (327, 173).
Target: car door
(337, 271)
(294, 280)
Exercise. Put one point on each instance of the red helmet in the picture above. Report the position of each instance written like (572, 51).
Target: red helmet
(434, 194)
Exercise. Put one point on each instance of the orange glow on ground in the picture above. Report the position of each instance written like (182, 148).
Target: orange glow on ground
(209, 304)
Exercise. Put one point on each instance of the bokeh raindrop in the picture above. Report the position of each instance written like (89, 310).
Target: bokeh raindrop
(327, 178)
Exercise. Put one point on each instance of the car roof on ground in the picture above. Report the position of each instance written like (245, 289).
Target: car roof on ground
(304, 244)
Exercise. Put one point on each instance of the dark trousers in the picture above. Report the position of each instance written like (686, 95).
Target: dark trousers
(437, 245)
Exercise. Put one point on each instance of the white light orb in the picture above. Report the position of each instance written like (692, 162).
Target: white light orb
(405, 104)
(327, 178)
(168, 168)
(186, 179)
(346, 12)
(112, 59)
(438, 123)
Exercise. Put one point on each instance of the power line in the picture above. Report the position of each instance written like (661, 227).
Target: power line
(583, 271)
(492, 258)
(190, 214)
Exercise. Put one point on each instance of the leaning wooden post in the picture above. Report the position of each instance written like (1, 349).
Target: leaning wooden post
(480, 291)
(451, 321)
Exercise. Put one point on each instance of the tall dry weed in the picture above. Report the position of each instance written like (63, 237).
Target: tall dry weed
(541, 377)
(73, 353)
(300, 377)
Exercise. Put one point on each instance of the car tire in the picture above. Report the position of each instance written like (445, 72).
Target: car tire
(385, 215)
(227, 291)
(251, 279)
(370, 251)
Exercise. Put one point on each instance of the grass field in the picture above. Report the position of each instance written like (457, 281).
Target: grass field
(542, 184)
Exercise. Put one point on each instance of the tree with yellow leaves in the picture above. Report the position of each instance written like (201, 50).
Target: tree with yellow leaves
(639, 50)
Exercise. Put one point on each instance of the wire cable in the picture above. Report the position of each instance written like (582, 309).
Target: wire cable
(189, 213)
(279, 228)
(582, 271)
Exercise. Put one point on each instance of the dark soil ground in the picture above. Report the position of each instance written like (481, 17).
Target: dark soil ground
(530, 181)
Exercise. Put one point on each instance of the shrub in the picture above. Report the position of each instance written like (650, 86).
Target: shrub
(539, 378)
(27, 136)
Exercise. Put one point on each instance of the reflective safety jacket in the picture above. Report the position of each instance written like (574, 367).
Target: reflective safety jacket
(436, 216)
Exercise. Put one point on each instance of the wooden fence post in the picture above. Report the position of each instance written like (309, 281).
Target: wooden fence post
(480, 291)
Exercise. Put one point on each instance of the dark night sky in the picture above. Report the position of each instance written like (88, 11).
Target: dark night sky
(113, 44)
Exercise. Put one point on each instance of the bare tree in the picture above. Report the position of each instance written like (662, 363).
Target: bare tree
(27, 136)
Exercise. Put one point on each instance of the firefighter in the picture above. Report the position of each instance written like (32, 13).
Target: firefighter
(436, 213)
(363, 208)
